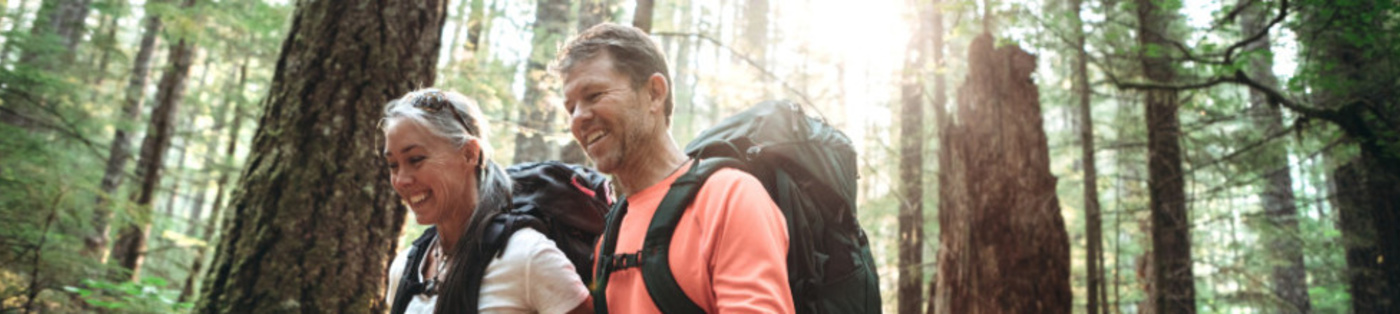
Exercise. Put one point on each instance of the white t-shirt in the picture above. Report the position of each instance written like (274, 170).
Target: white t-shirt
(531, 276)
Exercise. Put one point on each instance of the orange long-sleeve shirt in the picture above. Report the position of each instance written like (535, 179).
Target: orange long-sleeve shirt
(728, 254)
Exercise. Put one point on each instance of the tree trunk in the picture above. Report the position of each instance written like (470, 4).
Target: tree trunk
(178, 170)
(681, 88)
(754, 30)
(457, 32)
(95, 243)
(911, 171)
(593, 12)
(1093, 220)
(107, 43)
(1172, 281)
(315, 221)
(1353, 74)
(642, 17)
(1289, 277)
(1003, 244)
(129, 250)
(940, 116)
(200, 182)
(475, 22)
(58, 27)
(1364, 200)
(58, 22)
(536, 118)
(16, 18)
(104, 43)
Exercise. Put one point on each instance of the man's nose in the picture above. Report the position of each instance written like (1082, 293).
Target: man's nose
(580, 118)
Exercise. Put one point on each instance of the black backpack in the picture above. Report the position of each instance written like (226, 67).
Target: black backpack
(809, 169)
(564, 202)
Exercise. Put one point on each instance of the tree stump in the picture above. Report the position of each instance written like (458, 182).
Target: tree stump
(1004, 244)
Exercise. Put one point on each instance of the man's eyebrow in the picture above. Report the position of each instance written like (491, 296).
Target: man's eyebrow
(388, 153)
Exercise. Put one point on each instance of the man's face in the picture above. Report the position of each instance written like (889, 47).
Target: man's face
(608, 117)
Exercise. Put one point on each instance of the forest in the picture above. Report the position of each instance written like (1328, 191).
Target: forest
(1015, 156)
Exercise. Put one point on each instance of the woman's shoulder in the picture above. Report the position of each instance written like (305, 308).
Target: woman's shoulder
(527, 242)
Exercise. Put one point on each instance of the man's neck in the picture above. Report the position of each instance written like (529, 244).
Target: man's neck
(652, 169)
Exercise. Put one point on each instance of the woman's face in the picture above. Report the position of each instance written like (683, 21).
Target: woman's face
(436, 180)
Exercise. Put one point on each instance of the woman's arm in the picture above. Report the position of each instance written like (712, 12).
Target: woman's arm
(585, 307)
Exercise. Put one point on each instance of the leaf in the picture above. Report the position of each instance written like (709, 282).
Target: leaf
(154, 281)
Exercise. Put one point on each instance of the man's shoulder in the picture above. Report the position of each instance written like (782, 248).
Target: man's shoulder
(730, 177)
(729, 187)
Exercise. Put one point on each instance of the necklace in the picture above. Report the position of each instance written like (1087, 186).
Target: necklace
(431, 285)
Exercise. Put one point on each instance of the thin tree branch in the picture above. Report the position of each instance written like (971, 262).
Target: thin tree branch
(1230, 17)
(750, 61)
(1263, 31)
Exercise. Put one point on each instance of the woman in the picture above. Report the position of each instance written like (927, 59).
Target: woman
(439, 161)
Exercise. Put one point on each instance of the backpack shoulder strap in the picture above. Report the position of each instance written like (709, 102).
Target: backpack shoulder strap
(409, 284)
(655, 254)
(602, 268)
(493, 243)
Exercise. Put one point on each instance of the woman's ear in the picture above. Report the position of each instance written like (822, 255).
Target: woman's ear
(471, 150)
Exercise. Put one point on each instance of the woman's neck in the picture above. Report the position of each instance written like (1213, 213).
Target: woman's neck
(448, 234)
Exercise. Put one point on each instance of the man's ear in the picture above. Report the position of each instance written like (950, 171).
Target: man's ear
(658, 88)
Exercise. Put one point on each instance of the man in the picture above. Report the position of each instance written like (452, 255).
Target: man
(729, 249)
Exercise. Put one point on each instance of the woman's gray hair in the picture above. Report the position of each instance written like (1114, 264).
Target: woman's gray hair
(446, 125)
(458, 126)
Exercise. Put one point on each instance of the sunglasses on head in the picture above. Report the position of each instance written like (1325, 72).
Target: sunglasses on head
(434, 101)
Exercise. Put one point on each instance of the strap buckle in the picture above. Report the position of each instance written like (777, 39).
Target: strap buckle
(616, 262)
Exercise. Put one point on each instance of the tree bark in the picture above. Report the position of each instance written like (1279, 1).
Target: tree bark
(129, 250)
(641, 18)
(537, 116)
(1003, 244)
(911, 170)
(1172, 281)
(1364, 200)
(314, 223)
(1351, 71)
(1093, 219)
(1289, 278)
(95, 243)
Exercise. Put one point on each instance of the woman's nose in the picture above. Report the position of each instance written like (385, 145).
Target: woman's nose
(401, 178)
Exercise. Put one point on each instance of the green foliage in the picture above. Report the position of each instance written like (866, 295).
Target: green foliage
(147, 296)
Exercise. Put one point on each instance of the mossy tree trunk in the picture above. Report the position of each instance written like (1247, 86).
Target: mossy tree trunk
(314, 222)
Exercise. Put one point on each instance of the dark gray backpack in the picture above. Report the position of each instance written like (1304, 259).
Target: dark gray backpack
(564, 202)
(809, 169)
